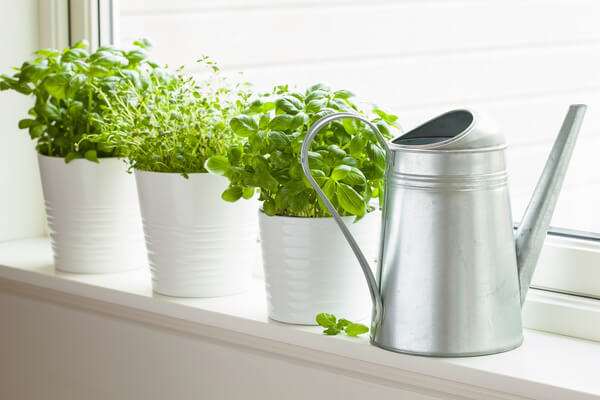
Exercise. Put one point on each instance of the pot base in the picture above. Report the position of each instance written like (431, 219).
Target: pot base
(93, 215)
(451, 355)
(198, 245)
(310, 269)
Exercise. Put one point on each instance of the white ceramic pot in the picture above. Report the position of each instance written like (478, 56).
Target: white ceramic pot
(310, 268)
(93, 215)
(198, 244)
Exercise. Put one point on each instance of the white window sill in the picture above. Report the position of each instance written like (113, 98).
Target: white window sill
(545, 366)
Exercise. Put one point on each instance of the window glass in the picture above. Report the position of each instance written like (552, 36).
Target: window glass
(521, 62)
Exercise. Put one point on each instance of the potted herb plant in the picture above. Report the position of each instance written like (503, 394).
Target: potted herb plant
(198, 245)
(309, 267)
(91, 202)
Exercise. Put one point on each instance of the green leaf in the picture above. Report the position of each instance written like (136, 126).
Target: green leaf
(279, 160)
(340, 172)
(243, 125)
(27, 123)
(389, 118)
(48, 110)
(297, 95)
(314, 106)
(260, 106)
(232, 194)
(299, 203)
(281, 122)
(351, 161)
(322, 113)
(383, 128)
(264, 120)
(37, 131)
(143, 43)
(247, 192)
(82, 44)
(350, 200)
(317, 94)
(298, 121)
(355, 329)
(135, 56)
(332, 331)
(257, 141)
(96, 71)
(350, 125)
(326, 320)
(329, 189)
(341, 104)
(279, 140)
(315, 160)
(109, 82)
(217, 165)
(342, 323)
(267, 106)
(319, 177)
(73, 54)
(377, 154)
(76, 109)
(33, 72)
(357, 143)
(72, 156)
(289, 104)
(47, 52)
(266, 180)
(91, 155)
(319, 86)
(75, 83)
(335, 151)
(343, 94)
(269, 207)
(56, 84)
(354, 177)
(110, 60)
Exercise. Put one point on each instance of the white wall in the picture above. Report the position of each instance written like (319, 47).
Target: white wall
(522, 61)
(21, 204)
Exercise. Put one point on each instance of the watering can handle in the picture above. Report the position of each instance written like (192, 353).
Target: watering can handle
(312, 132)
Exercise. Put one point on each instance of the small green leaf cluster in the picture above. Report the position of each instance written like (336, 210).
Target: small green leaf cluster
(64, 85)
(333, 326)
(346, 160)
(175, 122)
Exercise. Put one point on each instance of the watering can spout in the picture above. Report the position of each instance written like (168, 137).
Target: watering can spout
(534, 226)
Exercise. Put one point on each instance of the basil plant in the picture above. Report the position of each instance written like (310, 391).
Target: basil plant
(64, 84)
(346, 158)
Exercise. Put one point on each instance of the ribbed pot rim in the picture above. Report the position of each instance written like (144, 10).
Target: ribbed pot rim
(289, 218)
(143, 171)
(78, 160)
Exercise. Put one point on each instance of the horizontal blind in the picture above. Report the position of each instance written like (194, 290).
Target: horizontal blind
(522, 62)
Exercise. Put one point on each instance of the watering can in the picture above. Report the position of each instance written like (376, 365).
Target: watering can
(452, 274)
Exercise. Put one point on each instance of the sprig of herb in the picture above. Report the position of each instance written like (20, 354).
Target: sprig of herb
(174, 123)
(333, 326)
(346, 160)
(67, 106)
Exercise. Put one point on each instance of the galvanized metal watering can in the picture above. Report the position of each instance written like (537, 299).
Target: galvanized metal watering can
(452, 274)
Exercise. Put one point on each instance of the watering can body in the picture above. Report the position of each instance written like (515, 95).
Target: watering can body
(449, 280)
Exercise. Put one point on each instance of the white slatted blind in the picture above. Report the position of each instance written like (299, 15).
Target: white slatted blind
(523, 62)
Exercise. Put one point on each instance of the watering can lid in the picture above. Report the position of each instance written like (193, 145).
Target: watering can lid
(453, 130)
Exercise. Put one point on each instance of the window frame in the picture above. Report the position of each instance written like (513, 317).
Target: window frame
(560, 301)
